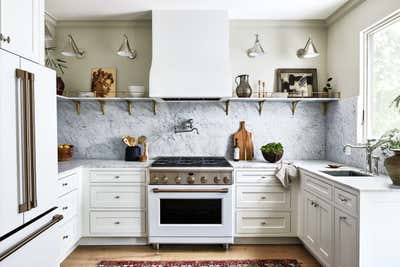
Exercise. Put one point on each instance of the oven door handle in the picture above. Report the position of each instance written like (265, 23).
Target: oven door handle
(222, 190)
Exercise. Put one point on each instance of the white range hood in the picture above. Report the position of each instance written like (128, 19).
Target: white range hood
(190, 55)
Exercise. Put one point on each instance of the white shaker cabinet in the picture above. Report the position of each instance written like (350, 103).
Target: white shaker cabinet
(345, 240)
(22, 28)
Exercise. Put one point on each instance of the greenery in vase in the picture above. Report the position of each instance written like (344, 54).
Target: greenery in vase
(396, 102)
(328, 87)
(393, 137)
(272, 148)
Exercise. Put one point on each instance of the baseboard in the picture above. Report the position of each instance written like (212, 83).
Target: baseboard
(267, 240)
(112, 241)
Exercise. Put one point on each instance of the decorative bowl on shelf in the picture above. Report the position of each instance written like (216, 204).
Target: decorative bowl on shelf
(65, 152)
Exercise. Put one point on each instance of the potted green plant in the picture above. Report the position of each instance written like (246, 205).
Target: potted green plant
(272, 152)
(392, 163)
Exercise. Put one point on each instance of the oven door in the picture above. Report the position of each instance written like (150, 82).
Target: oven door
(190, 211)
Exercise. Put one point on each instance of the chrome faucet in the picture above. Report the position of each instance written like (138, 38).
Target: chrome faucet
(370, 146)
(187, 126)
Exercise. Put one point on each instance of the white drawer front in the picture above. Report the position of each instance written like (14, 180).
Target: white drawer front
(67, 184)
(318, 187)
(275, 197)
(263, 222)
(262, 177)
(68, 205)
(347, 201)
(118, 197)
(121, 223)
(68, 237)
(129, 176)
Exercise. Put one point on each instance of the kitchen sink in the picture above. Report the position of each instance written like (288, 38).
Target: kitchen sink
(347, 173)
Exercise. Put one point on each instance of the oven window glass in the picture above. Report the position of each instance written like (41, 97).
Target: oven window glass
(191, 211)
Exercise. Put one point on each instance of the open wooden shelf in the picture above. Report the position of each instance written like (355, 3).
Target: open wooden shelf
(260, 101)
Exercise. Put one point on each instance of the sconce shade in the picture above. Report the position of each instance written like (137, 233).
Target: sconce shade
(309, 51)
(125, 49)
(256, 50)
(71, 49)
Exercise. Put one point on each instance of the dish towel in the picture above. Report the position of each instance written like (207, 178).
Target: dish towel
(286, 172)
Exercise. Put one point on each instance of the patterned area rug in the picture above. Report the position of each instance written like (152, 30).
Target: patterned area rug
(221, 263)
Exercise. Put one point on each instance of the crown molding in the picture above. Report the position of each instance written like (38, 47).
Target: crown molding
(342, 11)
(104, 23)
(279, 23)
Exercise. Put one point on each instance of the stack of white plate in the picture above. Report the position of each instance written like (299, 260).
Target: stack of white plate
(132, 91)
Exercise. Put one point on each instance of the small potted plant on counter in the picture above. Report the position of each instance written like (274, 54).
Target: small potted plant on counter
(392, 163)
(272, 152)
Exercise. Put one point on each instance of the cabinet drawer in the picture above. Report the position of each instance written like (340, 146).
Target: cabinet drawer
(262, 222)
(67, 184)
(259, 177)
(318, 187)
(347, 201)
(68, 237)
(68, 205)
(114, 223)
(117, 197)
(275, 197)
(100, 176)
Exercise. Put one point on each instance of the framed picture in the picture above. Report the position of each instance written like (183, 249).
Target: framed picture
(104, 82)
(297, 82)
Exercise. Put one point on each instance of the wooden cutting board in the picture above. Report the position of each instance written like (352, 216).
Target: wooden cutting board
(245, 142)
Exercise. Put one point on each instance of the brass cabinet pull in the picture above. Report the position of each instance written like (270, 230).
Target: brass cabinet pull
(5, 39)
(56, 218)
(223, 190)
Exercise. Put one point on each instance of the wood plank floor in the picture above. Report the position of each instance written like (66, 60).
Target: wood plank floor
(88, 256)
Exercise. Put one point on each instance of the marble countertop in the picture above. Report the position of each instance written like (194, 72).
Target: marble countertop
(373, 183)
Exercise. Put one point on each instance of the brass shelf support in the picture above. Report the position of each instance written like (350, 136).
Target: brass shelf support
(155, 107)
(103, 107)
(77, 107)
(260, 107)
(324, 106)
(227, 105)
(294, 106)
(129, 106)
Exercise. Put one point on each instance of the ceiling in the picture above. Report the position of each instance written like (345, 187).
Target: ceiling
(238, 9)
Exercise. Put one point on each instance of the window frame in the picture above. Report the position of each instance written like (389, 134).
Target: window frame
(364, 110)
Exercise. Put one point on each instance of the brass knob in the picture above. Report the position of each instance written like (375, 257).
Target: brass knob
(217, 179)
(155, 180)
(263, 197)
(116, 197)
(165, 179)
(178, 179)
(191, 179)
(263, 223)
(117, 222)
(227, 180)
(203, 179)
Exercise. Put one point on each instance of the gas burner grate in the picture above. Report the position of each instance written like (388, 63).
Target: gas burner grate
(191, 162)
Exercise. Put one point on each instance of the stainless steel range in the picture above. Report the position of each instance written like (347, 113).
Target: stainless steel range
(190, 201)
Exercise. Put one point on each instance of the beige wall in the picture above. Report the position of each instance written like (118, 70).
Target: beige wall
(343, 60)
(279, 39)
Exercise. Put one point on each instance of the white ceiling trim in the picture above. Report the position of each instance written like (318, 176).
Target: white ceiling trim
(343, 10)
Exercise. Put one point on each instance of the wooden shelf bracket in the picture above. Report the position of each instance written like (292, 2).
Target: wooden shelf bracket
(324, 106)
(155, 107)
(227, 105)
(294, 106)
(103, 107)
(77, 107)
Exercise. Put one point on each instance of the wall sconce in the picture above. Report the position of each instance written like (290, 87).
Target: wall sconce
(256, 50)
(71, 49)
(309, 51)
(125, 49)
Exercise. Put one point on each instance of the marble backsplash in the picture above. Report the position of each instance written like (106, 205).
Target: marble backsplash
(98, 136)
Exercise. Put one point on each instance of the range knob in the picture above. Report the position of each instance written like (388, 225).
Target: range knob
(165, 179)
(190, 179)
(178, 179)
(217, 179)
(227, 180)
(155, 180)
(203, 180)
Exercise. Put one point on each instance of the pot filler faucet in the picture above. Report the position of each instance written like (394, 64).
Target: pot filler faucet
(370, 147)
(186, 127)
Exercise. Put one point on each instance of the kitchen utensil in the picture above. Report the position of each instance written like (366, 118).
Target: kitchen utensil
(243, 88)
(263, 90)
(245, 142)
(143, 140)
(129, 140)
(259, 89)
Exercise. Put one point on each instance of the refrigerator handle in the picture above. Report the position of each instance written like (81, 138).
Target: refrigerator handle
(23, 175)
(31, 138)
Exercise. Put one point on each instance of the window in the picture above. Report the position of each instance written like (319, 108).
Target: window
(382, 77)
